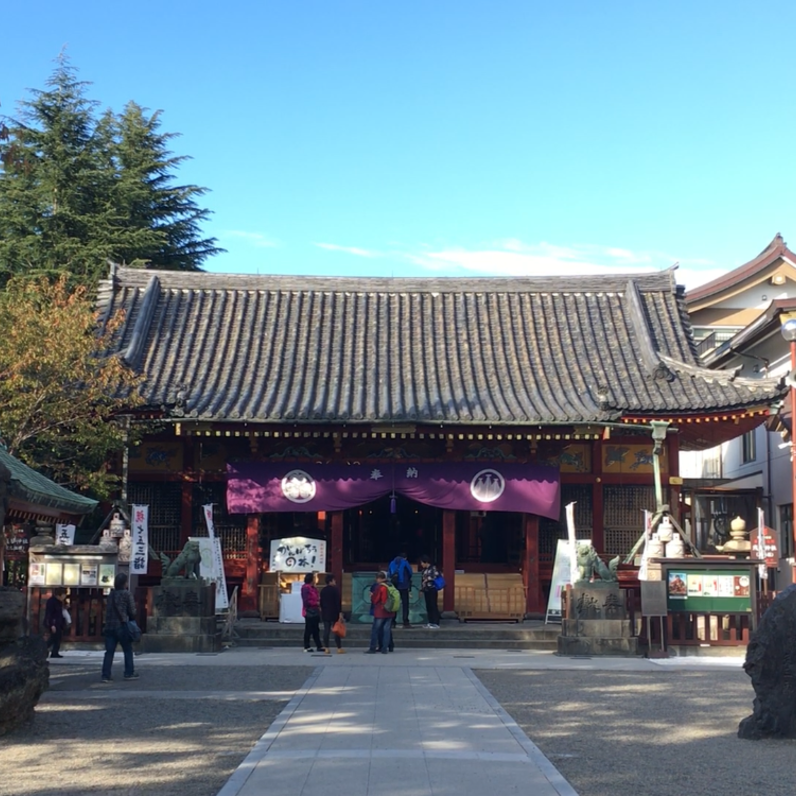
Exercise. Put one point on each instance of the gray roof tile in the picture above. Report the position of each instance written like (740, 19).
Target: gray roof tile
(471, 351)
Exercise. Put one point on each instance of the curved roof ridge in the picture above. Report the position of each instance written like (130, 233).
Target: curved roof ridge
(777, 248)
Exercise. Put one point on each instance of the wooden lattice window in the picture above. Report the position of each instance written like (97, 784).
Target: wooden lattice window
(164, 499)
(623, 516)
(230, 528)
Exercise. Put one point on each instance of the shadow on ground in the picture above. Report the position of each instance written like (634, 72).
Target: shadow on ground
(658, 734)
(148, 744)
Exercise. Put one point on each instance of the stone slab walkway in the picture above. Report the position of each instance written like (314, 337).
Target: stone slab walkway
(356, 730)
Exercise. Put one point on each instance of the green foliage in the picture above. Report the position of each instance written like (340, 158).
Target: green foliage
(61, 394)
(78, 190)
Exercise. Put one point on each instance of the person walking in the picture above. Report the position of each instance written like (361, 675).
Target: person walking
(429, 574)
(119, 609)
(400, 572)
(331, 612)
(380, 634)
(54, 621)
(311, 609)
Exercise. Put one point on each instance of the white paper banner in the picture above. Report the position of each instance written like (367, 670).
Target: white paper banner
(139, 560)
(643, 570)
(208, 512)
(214, 561)
(211, 568)
(64, 534)
(573, 543)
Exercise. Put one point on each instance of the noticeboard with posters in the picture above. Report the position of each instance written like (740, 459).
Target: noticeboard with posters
(709, 589)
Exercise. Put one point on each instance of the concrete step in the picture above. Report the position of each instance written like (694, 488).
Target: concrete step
(451, 635)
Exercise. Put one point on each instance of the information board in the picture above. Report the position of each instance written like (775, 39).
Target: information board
(653, 598)
(709, 590)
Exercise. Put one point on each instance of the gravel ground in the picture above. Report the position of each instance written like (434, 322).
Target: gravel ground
(143, 738)
(661, 734)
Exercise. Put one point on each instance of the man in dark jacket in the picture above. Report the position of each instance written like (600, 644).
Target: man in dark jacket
(54, 621)
(331, 611)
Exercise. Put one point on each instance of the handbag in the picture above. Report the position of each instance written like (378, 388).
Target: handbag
(339, 629)
(130, 626)
(439, 582)
(133, 630)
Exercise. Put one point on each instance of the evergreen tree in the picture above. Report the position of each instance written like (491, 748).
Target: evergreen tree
(147, 199)
(51, 214)
(77, 191)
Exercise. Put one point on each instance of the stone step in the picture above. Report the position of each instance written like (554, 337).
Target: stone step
(451, 635)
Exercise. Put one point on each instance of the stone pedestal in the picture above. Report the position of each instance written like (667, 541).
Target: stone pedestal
(12, 612)
(24, 673)
(183, 618)
(598, 623)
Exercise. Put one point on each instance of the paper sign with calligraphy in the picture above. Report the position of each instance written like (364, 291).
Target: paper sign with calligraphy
(298, 554)
(139, 559)
(64, 534)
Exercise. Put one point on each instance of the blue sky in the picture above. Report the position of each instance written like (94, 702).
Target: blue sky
(453, 138)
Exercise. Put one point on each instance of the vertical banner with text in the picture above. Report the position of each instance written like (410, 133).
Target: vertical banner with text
(139, 558)
(215, 566)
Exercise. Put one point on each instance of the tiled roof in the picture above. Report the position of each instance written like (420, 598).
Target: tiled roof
(775, 250)
(465, 351)
(31, 487)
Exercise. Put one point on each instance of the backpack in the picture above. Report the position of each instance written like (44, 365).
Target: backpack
(393, 603)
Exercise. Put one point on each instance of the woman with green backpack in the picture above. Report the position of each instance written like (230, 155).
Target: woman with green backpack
(381, 632)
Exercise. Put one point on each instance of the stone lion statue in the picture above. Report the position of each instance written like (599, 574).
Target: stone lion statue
(592, 567)
(188, 561)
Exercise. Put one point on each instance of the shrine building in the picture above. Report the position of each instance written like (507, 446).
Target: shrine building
(447, 416)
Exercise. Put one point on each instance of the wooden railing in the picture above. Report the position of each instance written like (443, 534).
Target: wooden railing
(87, 609)
(695, 628)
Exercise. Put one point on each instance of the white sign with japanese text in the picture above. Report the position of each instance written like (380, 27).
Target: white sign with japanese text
(64, 534)
(298, 554)
(212, 564)
(139, 559)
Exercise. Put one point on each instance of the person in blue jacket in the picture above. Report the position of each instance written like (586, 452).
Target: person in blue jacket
(400, 575)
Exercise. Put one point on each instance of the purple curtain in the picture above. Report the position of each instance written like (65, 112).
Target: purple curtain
(255, 487)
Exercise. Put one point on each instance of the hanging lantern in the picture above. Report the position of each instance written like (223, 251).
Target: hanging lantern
(393, 504)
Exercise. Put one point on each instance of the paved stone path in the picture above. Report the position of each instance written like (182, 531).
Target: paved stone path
(368, 731)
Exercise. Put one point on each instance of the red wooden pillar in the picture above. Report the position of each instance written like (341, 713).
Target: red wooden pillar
(186, 509)
(335, 565)
(449, 558)
(597, 502)
(673, 471)
(186, 512)
(534, 602)
(248, 598)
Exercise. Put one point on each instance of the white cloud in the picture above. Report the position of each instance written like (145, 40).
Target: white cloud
(513, 257)
(333, 247)
(255, 238)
